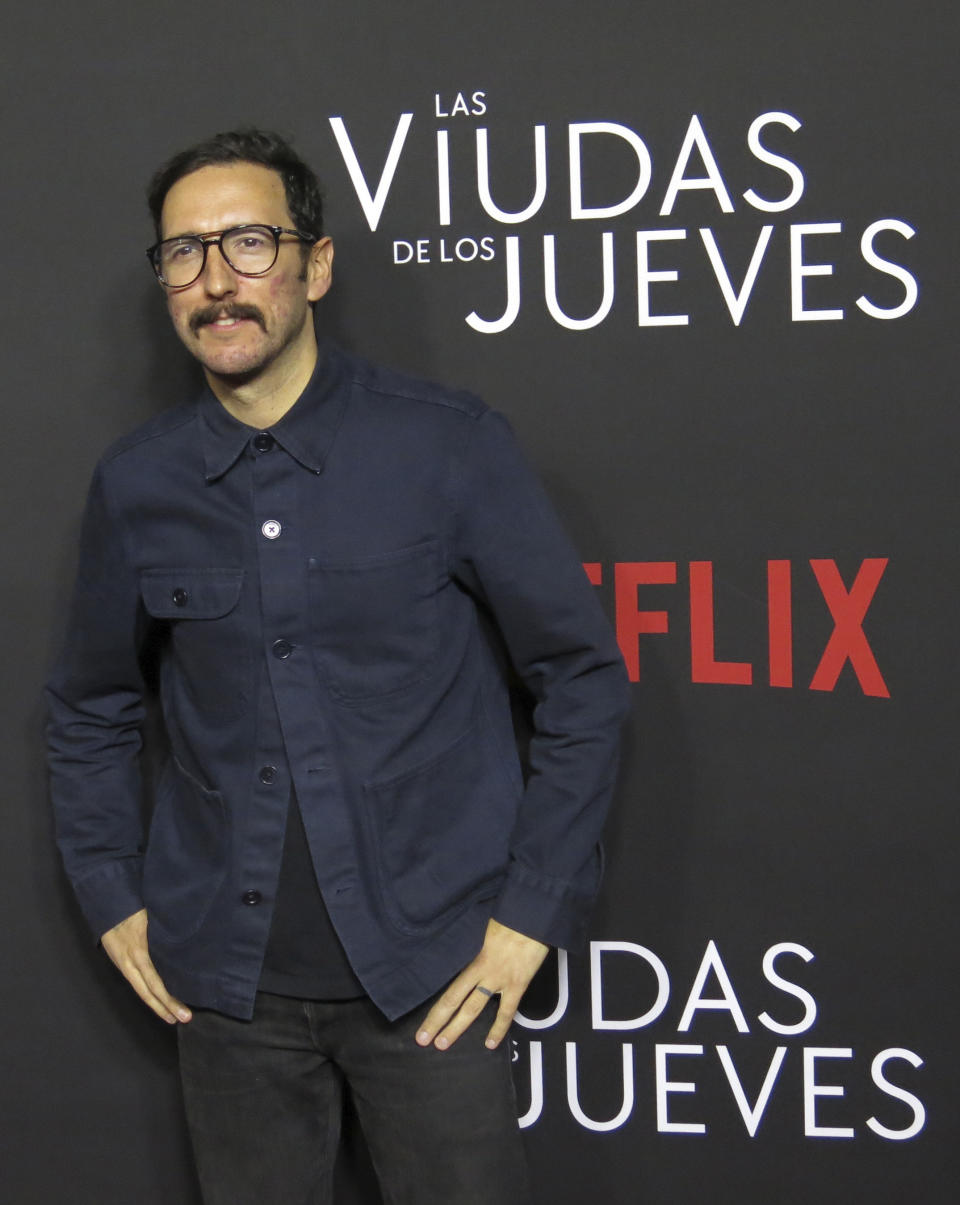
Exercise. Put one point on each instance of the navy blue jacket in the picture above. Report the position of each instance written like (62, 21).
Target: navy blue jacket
(335, 602)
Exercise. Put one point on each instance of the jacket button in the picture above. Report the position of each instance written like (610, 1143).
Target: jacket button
(251, 897)
(271, 529)
(263, 441)
(282, 649)
(268, 774)
(180, 597)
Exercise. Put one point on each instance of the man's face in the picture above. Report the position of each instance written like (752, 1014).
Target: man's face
(239, 326)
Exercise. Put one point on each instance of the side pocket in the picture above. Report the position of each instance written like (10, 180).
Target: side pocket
(441, 833)
(185, 861)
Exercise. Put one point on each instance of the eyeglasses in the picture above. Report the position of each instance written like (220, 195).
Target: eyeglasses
(249, 250)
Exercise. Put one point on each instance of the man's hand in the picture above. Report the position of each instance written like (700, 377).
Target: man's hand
(126, 945)
(505, 965)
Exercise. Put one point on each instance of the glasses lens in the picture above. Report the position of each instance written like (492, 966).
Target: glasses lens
(250, 249)
(179, 261)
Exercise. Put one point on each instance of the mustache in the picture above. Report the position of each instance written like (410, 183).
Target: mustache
(231, 309)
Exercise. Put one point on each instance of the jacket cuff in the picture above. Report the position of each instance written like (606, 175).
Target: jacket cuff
(543, 908)
(110, 894)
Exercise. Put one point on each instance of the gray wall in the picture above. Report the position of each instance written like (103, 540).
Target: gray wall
(749, 815)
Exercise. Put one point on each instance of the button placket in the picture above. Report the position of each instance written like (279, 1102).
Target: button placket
(281, 557)
(272, 502)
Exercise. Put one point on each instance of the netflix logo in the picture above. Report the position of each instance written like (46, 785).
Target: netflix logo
(847, 605)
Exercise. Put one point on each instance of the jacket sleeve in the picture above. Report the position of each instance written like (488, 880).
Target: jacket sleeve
(512, 553)
(95, 707)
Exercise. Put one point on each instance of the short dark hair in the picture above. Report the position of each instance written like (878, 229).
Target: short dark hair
(248, 145)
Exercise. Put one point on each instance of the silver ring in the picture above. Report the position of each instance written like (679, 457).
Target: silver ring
(486, 991)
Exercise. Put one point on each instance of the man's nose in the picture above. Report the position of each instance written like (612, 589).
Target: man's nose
(219, 279)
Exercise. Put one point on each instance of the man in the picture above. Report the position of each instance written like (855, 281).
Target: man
(333, 568)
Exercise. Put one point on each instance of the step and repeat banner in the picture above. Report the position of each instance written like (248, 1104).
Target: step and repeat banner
(703, 257)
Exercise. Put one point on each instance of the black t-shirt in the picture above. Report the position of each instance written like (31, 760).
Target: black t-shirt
(304, 956)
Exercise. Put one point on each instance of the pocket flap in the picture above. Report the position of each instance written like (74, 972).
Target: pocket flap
(190, 593)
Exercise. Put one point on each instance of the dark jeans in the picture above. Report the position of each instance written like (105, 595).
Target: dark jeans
(263, 1101)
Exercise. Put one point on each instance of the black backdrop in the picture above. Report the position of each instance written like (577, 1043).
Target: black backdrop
(767, 506)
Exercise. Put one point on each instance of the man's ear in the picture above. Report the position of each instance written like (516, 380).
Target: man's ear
(319, 269)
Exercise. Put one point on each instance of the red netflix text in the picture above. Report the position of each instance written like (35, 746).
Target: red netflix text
(847, 605)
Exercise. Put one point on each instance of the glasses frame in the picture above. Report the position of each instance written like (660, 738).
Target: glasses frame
(215, 239)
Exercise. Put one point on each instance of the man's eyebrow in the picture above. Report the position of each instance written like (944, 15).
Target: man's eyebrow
(202, 233)
(213, 233)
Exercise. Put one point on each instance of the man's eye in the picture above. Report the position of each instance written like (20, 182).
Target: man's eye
(251, 242)
(180, 251)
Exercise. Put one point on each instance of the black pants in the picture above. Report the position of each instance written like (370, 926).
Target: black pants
(263, 1101)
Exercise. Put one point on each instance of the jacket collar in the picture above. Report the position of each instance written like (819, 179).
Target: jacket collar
(306, 431)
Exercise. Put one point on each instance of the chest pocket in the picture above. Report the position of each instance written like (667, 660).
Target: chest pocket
(375, 620)
(210, 653)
